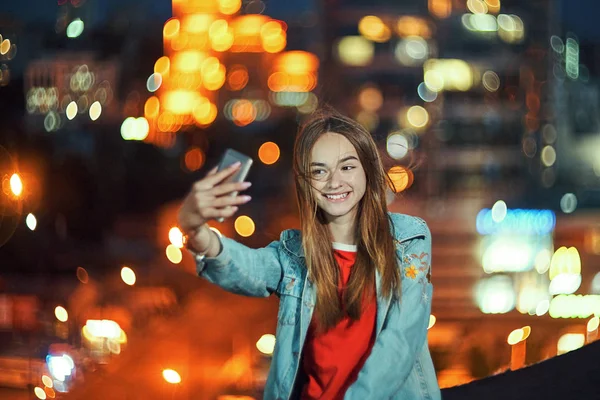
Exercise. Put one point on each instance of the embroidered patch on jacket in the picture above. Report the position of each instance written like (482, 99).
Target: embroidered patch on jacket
(419, 263)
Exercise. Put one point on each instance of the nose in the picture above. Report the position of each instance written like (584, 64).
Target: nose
(335, 180)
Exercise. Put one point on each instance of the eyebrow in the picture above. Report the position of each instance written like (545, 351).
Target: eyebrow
(320, 164)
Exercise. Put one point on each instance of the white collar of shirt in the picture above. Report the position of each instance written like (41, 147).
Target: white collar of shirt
(343, 246)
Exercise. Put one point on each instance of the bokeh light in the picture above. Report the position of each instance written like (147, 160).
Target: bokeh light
(269, 153)
(266, 344)
(401, 177)
(174, 254)
(244, 226)
(16, 185)
(176, 237)
(171, 376)
(31, 222)
(128, 276)
(61, 314)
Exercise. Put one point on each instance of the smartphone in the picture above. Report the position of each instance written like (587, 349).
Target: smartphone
(229, 157)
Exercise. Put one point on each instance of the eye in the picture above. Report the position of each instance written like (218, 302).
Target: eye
(348, 167)
(317, 172)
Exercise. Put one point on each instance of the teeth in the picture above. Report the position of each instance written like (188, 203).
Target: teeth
(337, 196)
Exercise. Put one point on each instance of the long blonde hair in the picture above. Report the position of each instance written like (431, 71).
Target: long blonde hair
(375, 244)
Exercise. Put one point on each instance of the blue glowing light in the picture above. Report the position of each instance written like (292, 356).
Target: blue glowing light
(531, 222)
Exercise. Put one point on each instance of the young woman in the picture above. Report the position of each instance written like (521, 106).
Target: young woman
(354, 287)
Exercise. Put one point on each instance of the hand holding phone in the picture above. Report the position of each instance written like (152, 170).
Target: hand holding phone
(230, 157)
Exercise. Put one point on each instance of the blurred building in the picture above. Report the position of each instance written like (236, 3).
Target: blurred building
(475, 94)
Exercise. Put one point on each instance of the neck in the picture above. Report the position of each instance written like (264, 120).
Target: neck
(343, 228)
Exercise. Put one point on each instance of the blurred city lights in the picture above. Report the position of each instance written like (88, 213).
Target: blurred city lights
(47, 381)
(154, 82)
(569, 342)
(440, 8)
(574, 306)
(568, 203)
(39, 393)
(412, 51)
(75, 28)
(490, 81)
(176, 237)
(128, 276)
(244, 226)
(31, 221)
(417, 116)
(542, 307)
(397, 146)
(499, 211)
(432, 320)
(495, 295)
(174, 254)
(95, 110)
(103, 329)
(413, 26)
(135, 128)
(593, 323)
(269, 153)
(539, 222)
(266, 344)
(374, 29)
(16, 185)
(565, 261)
(71, 110)
(425, 94)
(370, 98)
(401, 177)
(515, 336)
(60, 367)
(447, 74)
(82, 275)
(194, 159)
(61, 314)
(171, 376)
(355, 51)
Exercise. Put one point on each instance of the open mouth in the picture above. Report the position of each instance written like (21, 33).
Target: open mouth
(337, 197)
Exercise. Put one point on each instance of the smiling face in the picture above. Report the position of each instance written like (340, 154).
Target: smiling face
(337, 176)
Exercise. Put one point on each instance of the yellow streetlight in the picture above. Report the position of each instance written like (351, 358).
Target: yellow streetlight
(171, 376)
(16, 185)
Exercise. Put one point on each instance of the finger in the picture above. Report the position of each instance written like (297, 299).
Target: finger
(213, 171)
(230, 201)
(226, 188)
(220, 212)
(212, 180)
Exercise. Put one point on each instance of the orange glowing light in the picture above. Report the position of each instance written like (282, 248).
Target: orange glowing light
(244, 226)
(152, 107)
(413, 26)
(82, 275)
(401, 177)
(171, 28)
(128, 276)
(274, 44)
(188, 61)
(440, 8)
(297, 62)
(269, 153)
(179, 101)
(204, 112)
(16, 185)
(162, 66)
(243, 112)
(194, 159)
(229, 7)
(237, 78)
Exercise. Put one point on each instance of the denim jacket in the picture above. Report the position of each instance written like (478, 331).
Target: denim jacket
(399, 365)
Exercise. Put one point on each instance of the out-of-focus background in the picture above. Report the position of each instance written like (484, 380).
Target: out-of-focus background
(110, 110)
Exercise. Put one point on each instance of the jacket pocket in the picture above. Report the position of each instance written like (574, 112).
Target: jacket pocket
(290, 300)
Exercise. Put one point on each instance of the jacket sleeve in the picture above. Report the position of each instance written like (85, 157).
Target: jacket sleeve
(403, 336)
(242, 270)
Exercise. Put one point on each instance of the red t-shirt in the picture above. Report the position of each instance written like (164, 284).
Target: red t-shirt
(333, 359)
